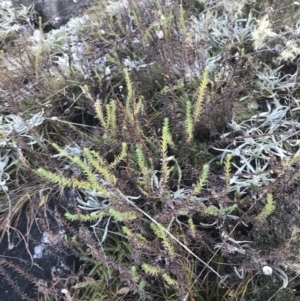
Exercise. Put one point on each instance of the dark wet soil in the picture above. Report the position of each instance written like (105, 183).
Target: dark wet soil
(37, 257)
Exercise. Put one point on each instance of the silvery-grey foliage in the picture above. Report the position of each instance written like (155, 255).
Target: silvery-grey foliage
(257, 139)
(270, 81)
(9, 125)
(72, 150)
(220, 29)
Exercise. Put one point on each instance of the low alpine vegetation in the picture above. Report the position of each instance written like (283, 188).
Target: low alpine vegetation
(162, 138)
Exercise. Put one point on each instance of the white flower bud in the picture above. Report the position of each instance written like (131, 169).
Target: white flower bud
(160, 34)
(224, 235)
(267, 270)
(37, 35)
(107, 71)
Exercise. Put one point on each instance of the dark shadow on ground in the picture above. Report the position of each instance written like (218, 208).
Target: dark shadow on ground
(32, 267)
